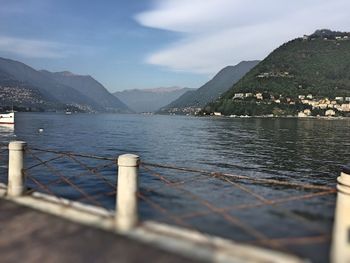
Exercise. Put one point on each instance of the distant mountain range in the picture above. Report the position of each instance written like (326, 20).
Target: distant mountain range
(90, 87)
(210, 91)
(44, 90)
(317, 66)
(149, 100)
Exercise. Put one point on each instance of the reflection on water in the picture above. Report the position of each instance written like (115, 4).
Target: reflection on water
(7, 130)
(301, 150)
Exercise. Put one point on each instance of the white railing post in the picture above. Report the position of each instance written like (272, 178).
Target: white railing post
(127, 204)
(341, 231)
(16, 180)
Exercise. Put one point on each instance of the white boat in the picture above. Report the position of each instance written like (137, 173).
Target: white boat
(7, 118)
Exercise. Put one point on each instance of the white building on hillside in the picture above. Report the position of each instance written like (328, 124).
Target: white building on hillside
(329, 113)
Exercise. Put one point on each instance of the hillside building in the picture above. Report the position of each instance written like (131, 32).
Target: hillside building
(238, 96)
(339, 98)
(259, 96)
(307, 112)
(345, 107)
(302, 115)
(329, 113)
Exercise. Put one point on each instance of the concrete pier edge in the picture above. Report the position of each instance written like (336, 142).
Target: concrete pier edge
(186, 242)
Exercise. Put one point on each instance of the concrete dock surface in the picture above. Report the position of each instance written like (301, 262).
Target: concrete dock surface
(27, 235)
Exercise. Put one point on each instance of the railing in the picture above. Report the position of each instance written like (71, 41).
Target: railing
(223, 204)
(86, 178)
(291, 232)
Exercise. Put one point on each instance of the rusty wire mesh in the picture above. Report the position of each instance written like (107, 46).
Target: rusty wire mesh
(79, 177)
(290, 216)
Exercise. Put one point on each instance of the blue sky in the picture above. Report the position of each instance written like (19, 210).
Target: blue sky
(156, 43)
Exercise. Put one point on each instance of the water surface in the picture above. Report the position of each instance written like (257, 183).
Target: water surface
(310, 151)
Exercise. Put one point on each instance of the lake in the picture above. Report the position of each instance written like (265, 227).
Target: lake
(308, 151)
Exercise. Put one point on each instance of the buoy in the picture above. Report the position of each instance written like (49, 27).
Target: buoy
(41, 130)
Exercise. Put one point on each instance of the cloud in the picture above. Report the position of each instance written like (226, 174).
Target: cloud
(33, 48)
(217, 33)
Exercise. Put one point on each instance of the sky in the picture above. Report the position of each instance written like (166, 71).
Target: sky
(156, 43)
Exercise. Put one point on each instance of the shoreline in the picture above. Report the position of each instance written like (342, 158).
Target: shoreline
(282, 117)
(200, 116)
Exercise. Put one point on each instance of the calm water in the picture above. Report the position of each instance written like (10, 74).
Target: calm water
(300, 150)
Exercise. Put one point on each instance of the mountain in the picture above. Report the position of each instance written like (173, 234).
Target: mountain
(47, 86)
(317, 66)
(90, 87)
(211, 90)
(52, 92)
(14, 93)
(149, 100)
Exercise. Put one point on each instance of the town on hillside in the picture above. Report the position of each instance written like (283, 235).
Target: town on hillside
(29, 99)
(327, 34)
(306, 105)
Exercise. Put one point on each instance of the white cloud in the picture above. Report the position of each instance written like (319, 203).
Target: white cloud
(218, 33)
(33, 48)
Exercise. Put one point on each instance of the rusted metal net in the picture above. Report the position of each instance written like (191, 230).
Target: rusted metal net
(290, 216)
(78, 177)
